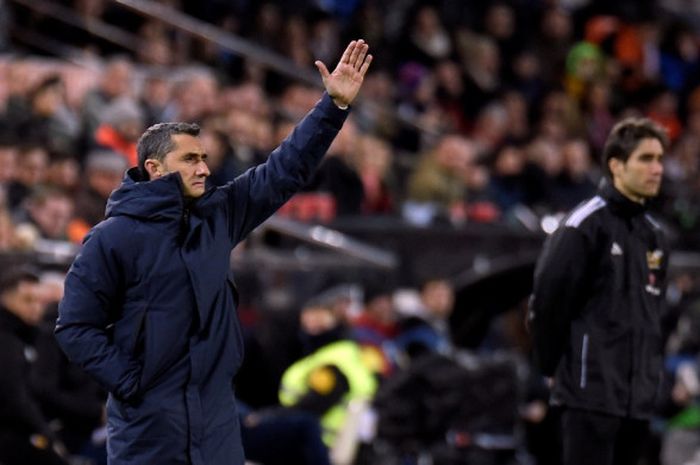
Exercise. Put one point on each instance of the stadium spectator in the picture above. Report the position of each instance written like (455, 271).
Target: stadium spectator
(375, 328)
(103, 174)
(46, 214)
(121, 124)
(439, 181)
(25, 434)
(338, 173)
(116, 82)
(30, 172)
(424, 324)
(374, 160)
(45, 117)
(331, 374)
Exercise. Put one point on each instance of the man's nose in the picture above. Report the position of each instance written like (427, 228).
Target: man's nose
(202, 169)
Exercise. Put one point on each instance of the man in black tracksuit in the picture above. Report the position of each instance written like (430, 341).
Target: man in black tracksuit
(597, 303)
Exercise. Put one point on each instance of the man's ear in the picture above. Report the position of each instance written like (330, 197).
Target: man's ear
(616, 166)
(153, 168)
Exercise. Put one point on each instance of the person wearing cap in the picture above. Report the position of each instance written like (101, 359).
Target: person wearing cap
(25, 435)
(595, 311)
(149, 305)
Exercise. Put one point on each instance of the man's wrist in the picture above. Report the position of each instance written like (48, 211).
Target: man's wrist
(339, 104)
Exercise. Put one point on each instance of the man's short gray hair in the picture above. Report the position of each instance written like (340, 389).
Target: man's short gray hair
(157, 141)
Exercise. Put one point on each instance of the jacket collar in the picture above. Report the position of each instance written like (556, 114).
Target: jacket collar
(159, 200)
(620, 204)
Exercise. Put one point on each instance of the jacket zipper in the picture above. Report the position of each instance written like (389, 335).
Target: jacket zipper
(584, 360)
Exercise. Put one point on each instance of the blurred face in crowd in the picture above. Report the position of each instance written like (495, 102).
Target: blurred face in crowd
(375, 156)
(316, 320)
(52, 215)
(187, 158)
(104, 181)
(24, 301)
(455, 153)
(344, 143)
(382, 308)
(48, 101)
(577, 158)
(216, 146)
(116, 80)
(32, 166)
(639, 177)
(8, 160)
(438, 297)
(64, 173)
(130, 129)
(510, 161)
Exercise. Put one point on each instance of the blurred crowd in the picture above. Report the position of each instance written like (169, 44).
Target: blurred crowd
(473, 111)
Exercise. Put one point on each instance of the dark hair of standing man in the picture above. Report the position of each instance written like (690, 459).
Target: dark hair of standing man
(626, 135)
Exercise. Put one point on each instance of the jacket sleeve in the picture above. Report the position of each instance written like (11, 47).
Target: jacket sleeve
(93, 286)
(260, 191)
(560, 277)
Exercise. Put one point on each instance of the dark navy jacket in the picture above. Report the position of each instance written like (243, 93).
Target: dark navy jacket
(149, 305)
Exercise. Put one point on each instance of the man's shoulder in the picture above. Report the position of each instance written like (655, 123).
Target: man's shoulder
(116, 230)
(115, 224)
(585, 213)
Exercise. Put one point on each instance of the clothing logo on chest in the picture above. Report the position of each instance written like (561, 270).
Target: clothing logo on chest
(615, 249)
(654, 258)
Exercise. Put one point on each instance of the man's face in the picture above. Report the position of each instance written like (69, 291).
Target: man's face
(25, 302)
(52, 216)
(189, 159)
(639, 178)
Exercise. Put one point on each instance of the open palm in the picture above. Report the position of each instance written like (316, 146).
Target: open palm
(345, 81)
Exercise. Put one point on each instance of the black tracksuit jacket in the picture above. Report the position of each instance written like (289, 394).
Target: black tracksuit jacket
(597, 304)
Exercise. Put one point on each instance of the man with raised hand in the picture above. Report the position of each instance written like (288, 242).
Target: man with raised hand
(149, 305)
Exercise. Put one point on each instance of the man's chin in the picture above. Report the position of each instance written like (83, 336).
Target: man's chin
(195, 193)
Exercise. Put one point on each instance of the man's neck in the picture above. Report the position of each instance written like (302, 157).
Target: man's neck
(630, 195)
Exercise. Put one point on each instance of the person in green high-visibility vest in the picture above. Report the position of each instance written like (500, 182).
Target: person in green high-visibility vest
(331, 375)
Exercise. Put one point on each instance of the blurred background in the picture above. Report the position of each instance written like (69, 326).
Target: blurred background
(479, 125)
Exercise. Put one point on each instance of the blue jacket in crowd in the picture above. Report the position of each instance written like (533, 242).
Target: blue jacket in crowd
(149, 305)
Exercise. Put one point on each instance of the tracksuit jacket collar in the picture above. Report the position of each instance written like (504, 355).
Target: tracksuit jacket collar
(619, 203)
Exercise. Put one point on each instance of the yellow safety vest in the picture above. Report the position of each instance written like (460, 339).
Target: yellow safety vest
(346, 355)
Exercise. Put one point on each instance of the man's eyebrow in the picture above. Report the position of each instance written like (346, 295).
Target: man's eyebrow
(651, 154)
(194, 154)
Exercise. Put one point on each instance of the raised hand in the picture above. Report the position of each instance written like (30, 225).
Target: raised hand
(345, 81)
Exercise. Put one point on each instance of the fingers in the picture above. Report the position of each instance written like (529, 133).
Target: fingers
(357, 46)
(322, 69)
(358, 53)
(365, 65)
(354, 55)
(346, 54)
